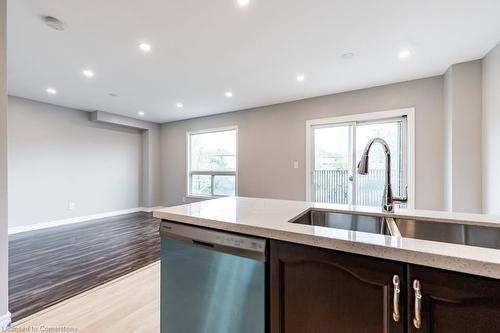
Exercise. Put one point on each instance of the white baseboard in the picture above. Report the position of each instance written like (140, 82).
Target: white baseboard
(5, 321)
(151, 209)
(72, 220)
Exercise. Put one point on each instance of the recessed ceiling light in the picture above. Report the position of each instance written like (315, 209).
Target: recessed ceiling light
(113, 94)
(51, 91)
(179, 105)
(243, 3)
(88, 73)
(300, 77)
(141, 113)
(145, 47)
(404, 53)
(54, 23)
(229, 94)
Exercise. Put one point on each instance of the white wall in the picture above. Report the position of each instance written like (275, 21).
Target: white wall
(57, 155)
(462, 128)
(491, 132)
(151, 173)
(271, 138)
(4, 315)
(150, 189)
(448, 142)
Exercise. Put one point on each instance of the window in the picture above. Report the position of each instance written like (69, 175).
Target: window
(212, 162)
(335, 146)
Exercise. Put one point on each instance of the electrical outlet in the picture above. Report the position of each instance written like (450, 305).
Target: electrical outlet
(183, 199)
(296, 164)
(71, 205)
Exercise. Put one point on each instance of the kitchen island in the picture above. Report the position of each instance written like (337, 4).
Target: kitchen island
(270, 218)
(362, 281)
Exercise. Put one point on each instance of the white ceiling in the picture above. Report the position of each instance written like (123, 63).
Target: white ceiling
(203, 48)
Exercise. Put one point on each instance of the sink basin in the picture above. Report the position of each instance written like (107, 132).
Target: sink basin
(455, 233)
(450, 233)
(364, 223)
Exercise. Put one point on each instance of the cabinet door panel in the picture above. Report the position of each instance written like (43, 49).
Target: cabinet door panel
(454, 302)
(317, 291)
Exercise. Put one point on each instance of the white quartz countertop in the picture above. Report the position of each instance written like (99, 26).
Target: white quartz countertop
(269, 218)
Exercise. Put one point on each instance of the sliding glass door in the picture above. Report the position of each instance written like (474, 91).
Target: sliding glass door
(336, 149)
(332, 160)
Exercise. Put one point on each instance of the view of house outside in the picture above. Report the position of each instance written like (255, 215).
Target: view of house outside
(213, 163)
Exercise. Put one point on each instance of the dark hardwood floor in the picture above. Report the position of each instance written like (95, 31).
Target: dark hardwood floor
(50, 265)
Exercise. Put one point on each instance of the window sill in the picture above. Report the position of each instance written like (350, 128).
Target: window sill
(194, 196)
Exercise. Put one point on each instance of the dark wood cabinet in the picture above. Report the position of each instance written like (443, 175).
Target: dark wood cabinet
(315, 290)
(453, 302)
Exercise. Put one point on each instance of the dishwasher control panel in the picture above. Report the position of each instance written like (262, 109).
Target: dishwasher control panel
(241, 242)
(212, 238)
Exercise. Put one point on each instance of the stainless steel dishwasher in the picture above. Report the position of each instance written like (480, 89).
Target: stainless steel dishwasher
(211, 281)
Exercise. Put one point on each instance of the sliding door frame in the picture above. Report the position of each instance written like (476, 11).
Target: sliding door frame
(408, 145)
(351, 153)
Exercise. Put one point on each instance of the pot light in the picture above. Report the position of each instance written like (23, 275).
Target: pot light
(145, 47)
(54, 23)
(51, 91)
(141, 113)
(243, 3)
(229, 94)
(88, 73)
(300, 77)
(179, 105)
(404, 53)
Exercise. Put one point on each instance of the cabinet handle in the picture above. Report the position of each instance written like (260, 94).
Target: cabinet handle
(395, 311)
(417, 320)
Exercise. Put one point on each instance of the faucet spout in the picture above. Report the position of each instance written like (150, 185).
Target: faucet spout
(363, 163)
(388, 198)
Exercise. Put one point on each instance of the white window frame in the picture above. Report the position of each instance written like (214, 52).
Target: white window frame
(408, 144)
(213, 173)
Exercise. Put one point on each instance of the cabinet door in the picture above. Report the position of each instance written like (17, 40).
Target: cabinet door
(322, 291)
(453, 302)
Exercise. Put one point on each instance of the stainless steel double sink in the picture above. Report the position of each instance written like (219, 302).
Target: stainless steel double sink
(488, 237)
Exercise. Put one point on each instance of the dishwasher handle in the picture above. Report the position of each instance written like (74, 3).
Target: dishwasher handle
(221, 241)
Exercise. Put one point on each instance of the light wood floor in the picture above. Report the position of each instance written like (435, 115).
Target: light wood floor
(128, 304)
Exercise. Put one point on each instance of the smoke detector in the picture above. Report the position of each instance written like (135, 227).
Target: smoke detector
(348, 55)
(54, 23)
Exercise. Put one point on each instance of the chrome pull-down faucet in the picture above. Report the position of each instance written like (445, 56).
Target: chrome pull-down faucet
(388, 199)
